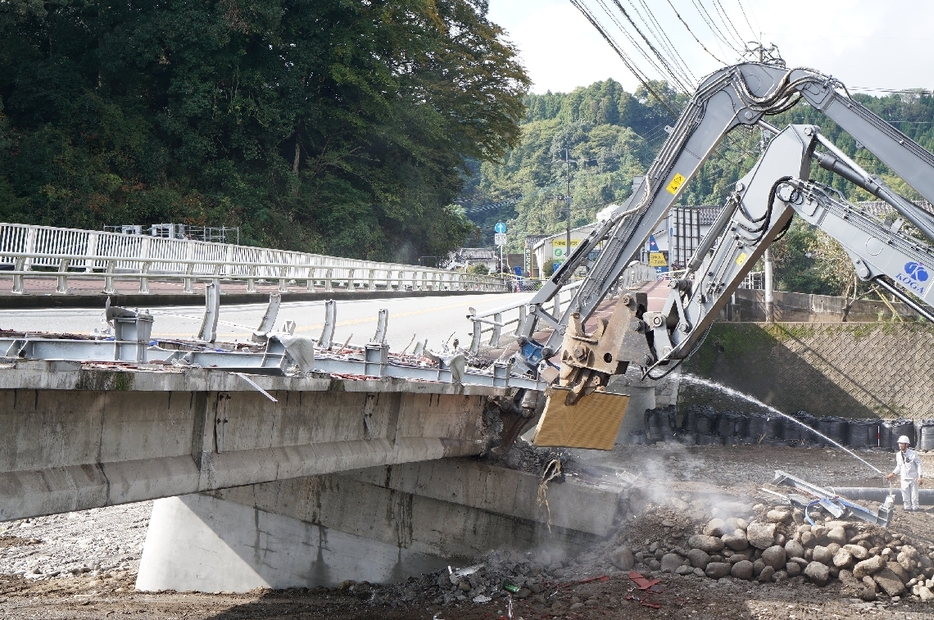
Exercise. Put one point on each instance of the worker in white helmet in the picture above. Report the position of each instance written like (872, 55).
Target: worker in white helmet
(908, 466)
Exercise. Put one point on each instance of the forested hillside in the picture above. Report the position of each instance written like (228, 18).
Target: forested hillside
(328, 126)
(612, 135)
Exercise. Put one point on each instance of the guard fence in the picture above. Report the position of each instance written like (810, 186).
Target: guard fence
(65, 253)
(492, 322)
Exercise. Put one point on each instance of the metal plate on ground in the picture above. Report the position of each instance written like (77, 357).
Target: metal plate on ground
(592, 423)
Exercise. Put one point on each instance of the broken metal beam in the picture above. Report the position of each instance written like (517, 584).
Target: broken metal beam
(833, 503)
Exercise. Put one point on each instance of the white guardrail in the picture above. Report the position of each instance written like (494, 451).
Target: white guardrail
(71, 253)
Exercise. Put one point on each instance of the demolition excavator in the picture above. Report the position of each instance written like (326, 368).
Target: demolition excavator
(894, 255)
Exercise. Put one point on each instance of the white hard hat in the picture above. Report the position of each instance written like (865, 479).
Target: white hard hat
(904, 439)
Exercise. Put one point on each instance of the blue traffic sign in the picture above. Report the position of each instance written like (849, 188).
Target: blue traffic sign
(500, 227)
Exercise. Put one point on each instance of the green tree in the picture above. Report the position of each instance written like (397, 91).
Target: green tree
(330, 126)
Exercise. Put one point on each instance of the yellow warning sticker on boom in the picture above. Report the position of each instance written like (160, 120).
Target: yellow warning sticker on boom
(741, 258)
(675, 184)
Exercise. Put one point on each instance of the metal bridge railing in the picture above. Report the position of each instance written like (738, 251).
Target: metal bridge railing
(71, 253)
(493, 321)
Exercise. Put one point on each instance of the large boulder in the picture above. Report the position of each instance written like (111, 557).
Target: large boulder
(822, 554)
(670, 562)
(779, 515)
(899, 570)
(837, 534)
(710, 544)
(761, 535)
(699, 558)
(818, 573)
(716, 527)
(742, 570)
(736, 541)
(869, 566)
(889, 582)
(842, 558)
(858, 552)
(622, 558)
(766, 575)
(716, 570)
(774, 556)
(794, 549)
(793, 569)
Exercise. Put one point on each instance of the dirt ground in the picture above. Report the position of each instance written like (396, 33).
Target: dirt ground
(662, 479)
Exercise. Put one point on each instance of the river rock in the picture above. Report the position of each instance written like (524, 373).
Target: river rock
(670, 562)
(622, 558)
(716, 527)
(716, 570)
(869, 566)
(761, 535)
(794, 549)
(699, 558)
(858, 552)
(818, 573)
(710, 544)
(822, 554)
(889, 582)
(736, 541)
(842, 558)
(774, 556)
(742, 570)
(900, 571)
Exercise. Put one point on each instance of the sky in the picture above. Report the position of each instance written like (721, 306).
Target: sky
(870, 45)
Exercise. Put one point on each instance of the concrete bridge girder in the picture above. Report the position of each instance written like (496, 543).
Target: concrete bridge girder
(84, 436)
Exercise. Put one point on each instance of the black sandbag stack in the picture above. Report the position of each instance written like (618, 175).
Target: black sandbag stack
(863, 433)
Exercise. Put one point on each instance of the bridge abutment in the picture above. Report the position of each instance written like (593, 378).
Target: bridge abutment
(380, 524)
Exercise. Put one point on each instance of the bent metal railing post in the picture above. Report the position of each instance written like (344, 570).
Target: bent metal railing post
(65, 253)
(492, 321)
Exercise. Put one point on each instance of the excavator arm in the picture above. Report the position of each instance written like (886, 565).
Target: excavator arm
(756, 213)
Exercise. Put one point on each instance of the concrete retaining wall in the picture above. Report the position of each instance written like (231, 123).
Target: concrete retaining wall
(852, 370)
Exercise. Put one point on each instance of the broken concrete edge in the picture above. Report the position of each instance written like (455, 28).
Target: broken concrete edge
(585, 507)
(139, 300)
(18, 374)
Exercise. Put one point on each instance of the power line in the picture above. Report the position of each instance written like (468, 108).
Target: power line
(627, 61)
(683, 82)
(691, 32)
(670, 58)
(742, 10)
(662, 37)
(631, 38)
(702, 11)
(729, 22)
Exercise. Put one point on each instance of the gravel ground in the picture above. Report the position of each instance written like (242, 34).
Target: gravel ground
(83, 565)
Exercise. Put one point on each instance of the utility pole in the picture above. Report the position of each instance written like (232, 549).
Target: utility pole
(567, 201)
(767, 256)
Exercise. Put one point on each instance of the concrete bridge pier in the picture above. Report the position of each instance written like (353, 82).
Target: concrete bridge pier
(380, 524)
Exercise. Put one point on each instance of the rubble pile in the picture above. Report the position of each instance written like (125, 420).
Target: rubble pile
(775, 544)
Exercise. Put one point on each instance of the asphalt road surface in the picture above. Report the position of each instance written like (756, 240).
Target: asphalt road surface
(440, 320)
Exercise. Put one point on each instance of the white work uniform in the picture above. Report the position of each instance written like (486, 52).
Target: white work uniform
(908, 469)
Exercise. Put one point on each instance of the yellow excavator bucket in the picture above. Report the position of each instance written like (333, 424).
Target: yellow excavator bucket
(593, 422)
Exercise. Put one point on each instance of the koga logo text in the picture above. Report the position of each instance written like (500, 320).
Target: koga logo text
(914, 277)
